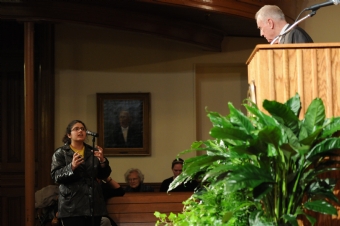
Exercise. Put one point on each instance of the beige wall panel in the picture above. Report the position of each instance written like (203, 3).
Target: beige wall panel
(324, 25)
(216, 85)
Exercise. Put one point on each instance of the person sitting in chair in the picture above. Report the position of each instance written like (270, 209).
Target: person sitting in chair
(176, 167)
(134, 178)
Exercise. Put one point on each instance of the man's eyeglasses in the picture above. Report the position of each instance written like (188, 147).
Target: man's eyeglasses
(78, 128)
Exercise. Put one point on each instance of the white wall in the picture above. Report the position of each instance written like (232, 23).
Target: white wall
(324, 25)
(216, 85)
(96, 60)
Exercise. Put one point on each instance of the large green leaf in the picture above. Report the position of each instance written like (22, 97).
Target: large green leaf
(198, 162)
(310, 138)
(323, 170)
(321, 207)
(323, 147)
(270, 135)
(248, 176)
(192, 167)
(196, 144)
(210, 146)
(260, 119)
(252, 147)
(214, 148)
(308, 176)
(294, 104)
(217, 171)
(230, 142)
(256, 146)
(315, 116)
(322, 189)
(288, 136)
(240, 151)
(229, 133)
(178, 181)
(218, 120)
(282, 113)
(239, 119)
(331, 126)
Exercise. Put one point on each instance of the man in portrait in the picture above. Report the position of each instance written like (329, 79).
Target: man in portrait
(126, 134)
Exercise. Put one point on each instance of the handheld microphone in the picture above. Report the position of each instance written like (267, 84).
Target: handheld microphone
(318, 6)
(88, 132)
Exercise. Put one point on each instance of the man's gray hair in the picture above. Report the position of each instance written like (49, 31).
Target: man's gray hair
(270, 11)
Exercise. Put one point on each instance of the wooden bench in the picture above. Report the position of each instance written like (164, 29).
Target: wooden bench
(134, 209)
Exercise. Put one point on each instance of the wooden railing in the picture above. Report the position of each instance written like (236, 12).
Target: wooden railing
(134, 209)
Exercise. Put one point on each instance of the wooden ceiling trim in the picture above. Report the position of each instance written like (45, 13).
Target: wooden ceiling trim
(243, 8)
(192, 33)
(203, 23)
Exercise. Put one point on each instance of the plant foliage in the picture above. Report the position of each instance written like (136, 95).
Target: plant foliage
(262, 169)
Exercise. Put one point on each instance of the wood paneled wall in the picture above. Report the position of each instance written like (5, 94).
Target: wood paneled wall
(12, 155)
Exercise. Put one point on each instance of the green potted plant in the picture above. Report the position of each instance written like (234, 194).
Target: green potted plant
(262, 169)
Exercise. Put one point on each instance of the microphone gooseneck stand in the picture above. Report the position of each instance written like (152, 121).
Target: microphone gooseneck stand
(293, 25)
(93, 178)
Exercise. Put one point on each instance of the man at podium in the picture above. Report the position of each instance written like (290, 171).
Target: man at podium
(272, 24)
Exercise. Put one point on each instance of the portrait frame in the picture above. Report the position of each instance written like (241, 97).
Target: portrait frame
(112, 110)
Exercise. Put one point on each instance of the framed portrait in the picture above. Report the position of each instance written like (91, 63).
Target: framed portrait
(123, 121)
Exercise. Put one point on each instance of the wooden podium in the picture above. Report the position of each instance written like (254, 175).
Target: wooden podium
(280, 71)
(313, 70)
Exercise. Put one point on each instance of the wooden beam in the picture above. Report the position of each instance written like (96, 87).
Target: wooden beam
(29, 122)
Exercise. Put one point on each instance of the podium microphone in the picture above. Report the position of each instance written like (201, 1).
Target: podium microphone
(318, 6)
(88, 132)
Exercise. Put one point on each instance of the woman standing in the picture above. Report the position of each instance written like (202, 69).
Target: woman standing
(75, 170)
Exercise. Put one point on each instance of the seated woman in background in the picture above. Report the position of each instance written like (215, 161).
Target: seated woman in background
(176, 167)
(134, 178)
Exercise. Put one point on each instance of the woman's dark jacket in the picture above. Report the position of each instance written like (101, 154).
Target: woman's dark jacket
(75, 187)
(109, 192)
